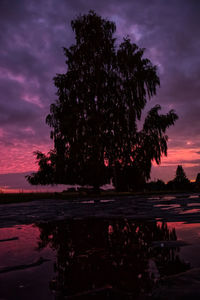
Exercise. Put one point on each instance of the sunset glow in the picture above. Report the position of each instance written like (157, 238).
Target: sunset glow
(32, 55)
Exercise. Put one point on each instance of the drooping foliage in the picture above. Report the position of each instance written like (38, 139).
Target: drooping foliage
(94, 120)
(46, 173)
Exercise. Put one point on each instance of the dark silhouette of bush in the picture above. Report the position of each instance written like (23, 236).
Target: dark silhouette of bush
(158, 185)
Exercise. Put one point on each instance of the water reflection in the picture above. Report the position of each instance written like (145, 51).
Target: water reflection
(109, 258)
(190, 211)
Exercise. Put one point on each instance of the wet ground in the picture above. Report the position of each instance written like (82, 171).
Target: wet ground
(131, 248)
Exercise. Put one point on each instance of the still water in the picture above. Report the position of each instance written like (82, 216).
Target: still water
(94, 258)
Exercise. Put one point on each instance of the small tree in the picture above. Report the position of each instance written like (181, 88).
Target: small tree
(180, 182)
(198, 179)
(197, 182)
(180, 175)
(100, 99)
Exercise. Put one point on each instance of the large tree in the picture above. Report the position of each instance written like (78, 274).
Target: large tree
(94, 120)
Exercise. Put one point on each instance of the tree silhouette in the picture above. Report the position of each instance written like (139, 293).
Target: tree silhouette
(180, 175)
(180, 181)
(99, 258)
(198, 178)
(197, 182)
(100, 99)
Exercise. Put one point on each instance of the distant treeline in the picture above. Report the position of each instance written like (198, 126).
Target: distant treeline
(180, 183)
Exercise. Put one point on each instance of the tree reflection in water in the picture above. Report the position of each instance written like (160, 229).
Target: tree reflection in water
(109, 258)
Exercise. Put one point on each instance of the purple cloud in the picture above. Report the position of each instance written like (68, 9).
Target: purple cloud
(33, 34)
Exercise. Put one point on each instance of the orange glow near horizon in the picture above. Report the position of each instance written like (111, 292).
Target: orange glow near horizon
(19, 158)
(179, 156)
(187, 157)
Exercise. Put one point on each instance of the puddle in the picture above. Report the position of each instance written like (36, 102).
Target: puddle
(154, 198)
(93, 201)
(106, 201)
(168, 198)
(190, 211)
(94, 258)
(25, 271)
(87, 202)
(189, 233)
(167, 206)
(193, 204)
(194, 197)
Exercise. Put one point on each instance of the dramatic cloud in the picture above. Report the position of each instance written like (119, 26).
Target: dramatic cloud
(32, 36)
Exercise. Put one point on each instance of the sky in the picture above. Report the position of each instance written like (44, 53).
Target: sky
(32, 36)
